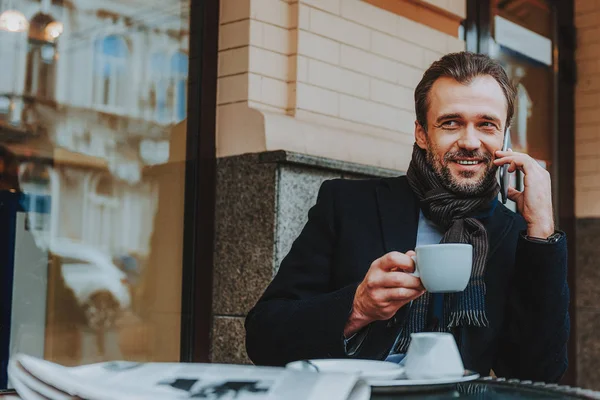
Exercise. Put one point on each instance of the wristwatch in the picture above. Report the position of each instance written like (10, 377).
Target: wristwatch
(555, 237)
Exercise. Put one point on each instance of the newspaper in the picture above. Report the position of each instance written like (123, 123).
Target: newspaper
(37, 379)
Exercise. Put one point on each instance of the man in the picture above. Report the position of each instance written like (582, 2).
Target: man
(344, 289)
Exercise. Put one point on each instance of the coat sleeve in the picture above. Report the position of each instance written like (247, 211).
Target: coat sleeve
(534, 344)
(299, 316)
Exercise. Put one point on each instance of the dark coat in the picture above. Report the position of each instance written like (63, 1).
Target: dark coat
(303, 312)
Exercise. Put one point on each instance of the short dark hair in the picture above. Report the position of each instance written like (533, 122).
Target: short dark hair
(463, 67)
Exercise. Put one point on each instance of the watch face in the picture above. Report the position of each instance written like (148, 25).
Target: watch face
(554, 237)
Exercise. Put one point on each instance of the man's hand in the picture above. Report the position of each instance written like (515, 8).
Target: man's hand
(535, 201)
(386, 287)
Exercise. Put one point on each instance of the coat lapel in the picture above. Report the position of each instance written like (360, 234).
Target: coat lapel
(398, 214)
(498, 226)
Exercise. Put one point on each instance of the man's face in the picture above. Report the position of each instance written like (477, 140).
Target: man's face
(465, 126)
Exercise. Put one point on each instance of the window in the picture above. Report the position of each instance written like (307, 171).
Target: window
(101, 210)
(179, 73)
(111, 55)
(36, 181)
(168, 87)
(5, 106)
(117, 217)
(100, 205)
(40, 77)
(159, 78)
(34, 178)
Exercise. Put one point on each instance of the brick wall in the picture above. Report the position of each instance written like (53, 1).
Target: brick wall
(342, 64)
(255, 46)
(587, 102)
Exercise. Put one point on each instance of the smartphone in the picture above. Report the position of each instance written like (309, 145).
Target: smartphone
(504, 170)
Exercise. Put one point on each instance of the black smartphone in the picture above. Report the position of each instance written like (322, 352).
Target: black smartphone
(504, 170)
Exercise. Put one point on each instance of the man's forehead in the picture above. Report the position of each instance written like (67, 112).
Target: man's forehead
(482, 95)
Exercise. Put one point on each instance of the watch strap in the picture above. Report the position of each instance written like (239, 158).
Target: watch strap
(555, 237)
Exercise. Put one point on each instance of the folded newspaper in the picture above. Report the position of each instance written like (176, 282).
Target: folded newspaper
(36, 379)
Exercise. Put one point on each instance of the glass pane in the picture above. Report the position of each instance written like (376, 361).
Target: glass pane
(92, 161)
(523, 44)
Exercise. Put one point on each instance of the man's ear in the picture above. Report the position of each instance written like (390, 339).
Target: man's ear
(420, 136)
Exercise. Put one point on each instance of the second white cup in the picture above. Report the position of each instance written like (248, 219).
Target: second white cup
(433, 355)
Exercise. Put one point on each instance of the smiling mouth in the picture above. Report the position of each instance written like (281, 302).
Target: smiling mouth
(467, 162)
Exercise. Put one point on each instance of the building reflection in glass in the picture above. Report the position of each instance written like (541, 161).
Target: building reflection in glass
(92, 131)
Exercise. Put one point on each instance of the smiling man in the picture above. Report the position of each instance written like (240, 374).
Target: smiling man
(345, 288)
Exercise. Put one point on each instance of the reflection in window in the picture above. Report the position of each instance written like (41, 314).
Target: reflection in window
(523, 108)
(100, 212)
(41, 58)
(111, 54)
(35, 180)
(168, 87)
(179, 71)
(117, 217)
(4, 108)
(159, 80)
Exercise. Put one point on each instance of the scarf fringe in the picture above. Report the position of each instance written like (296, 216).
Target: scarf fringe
(402, 345)
(475, 318)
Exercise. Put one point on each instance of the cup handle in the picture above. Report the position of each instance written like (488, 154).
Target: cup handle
(416, 273)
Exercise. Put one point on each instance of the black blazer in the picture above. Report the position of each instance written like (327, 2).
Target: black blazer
(302, 313)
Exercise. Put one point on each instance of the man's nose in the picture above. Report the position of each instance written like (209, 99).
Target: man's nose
(469, 139)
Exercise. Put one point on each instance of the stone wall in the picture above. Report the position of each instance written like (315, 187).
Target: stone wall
(262, 205)
(588, 309)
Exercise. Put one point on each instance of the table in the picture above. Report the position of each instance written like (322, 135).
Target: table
(487, 388)
(501, 389)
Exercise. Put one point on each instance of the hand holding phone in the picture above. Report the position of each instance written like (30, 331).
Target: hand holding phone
(504, 170)
(534, 201)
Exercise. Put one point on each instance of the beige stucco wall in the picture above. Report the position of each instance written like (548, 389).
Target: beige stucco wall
(587, 103)
(331, 78)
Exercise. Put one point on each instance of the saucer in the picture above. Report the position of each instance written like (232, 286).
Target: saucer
(367, 369)
(416, 385)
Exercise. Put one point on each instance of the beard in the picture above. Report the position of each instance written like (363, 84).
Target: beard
(465, 184)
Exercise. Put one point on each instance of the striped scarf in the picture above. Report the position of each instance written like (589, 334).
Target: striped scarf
(451, 212)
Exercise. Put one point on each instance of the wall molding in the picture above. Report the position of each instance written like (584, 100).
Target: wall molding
(423, 13)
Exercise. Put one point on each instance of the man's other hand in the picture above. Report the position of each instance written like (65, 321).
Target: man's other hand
(534, 203)
(387, 286)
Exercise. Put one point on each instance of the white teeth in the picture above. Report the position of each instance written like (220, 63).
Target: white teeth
(467, 162)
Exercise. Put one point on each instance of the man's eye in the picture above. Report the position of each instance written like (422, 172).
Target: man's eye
(488, 125)
(450, 124)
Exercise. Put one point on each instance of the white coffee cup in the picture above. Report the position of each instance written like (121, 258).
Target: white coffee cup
(444, 267)
(433, 355)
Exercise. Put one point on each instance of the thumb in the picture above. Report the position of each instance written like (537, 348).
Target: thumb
(411, 253)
